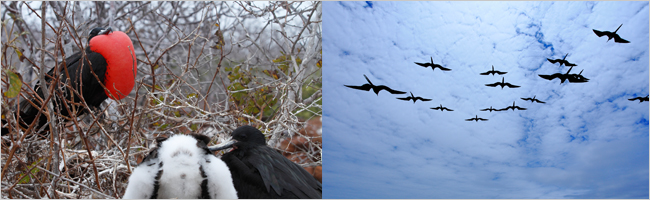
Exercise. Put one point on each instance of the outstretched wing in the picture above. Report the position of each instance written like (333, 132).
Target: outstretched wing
(548, 77)
(436, 108)
(568, 64)
(365, 87)
(469, 119)
(635, 98)
(485, 109)
(443, 68)
(422, 99)
(520, 108)
(553, 61)
(501, 73)
(619, 39)
(538, 101)
(423, 64)
(482, 119)
(526, 99)
(449, 109)
(493, 84)
(383, 87)
(600, 33)
(485, 73)
(512, 86)
(405, 99)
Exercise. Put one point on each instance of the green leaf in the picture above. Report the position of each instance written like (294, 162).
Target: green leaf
(193, 127)
(164, 126)
(15, 84)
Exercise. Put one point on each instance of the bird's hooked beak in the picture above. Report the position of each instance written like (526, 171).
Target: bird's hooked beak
(224, 145)
(105, 31)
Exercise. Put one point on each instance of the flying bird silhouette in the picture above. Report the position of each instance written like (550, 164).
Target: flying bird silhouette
(562, 61)
(573, 78)
(533, 99)
(432, 65)
(611, 35)
(641, 99)
(442, 108)
(513, 107)
(490, 109)
(476, 119)
(502, 83)
(493, 72)
(413, 98)
(375, 88)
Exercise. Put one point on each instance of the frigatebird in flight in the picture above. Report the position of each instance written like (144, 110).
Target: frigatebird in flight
(442, 108)
(375, 88)
(573, 78)
(432, 65)
(513, 107)
(562, 61)
(413, 98)
(476, 119)
(611, 35)
(490, 109)
(533, 99)
(493, 72)
(641, 99)
(502, 83)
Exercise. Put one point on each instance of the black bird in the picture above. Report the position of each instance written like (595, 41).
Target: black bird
(476, 119)
(432, 65)
(413, 98)
(577, 78)
(513, 107)
(260, 172)
(533, 99)
(493, 72)
(502, 83)
(490, 109)
(641, 99)
(181, 167)
(375, 88)
(611, 35)
(113, 62)
(563, 61)
(442, 108)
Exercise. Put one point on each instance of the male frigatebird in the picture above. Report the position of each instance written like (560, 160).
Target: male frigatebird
(502, 83)
(413, 98)
(476, 118)
(533, 99)
(573, 78)
(493, 72)
(641, 99)
(375, 88)
(611, 35)
(562, 61)
(107, 70)
(260, 172)
(442, 108)
(490, 109)
(432, 65)
(181, 167)
(513, 107)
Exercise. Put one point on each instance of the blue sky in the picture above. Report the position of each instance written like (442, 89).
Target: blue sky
(587, 141)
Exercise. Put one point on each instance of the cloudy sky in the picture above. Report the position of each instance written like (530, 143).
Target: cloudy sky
(587, 141)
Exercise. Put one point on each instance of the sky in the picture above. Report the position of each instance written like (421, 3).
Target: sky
(586, 141)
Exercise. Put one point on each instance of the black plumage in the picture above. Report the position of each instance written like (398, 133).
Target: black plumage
(442, 108)
(573, 78)
(476, 119)
(260, 172)
(641, 99)
(493, 72)
(414, 98)
(490, 109)
(533, 99)
(502, 84)
(513, 107)
(562, 61)
(611, 35)
(375, 88)
(433, 65)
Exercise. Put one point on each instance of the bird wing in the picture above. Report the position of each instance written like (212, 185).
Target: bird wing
(485, 109)
(482, 119)
(599, 33)
(485, 73)
(493, 84)
(553, 61)
(220, 183)
(143, 182)
(619, 39)
(538, 101)
(279, 173)
(449, 109)
(469, 119)
(568, 64)
(405, 98)
(422, 99)
(520, 108)
(635, 98)
(436, 108)
(526, 99)
(383, 87)
(501, 73)
(423, 64)
(365, 87)
(443, 68)
(548, 77)
(512, 86)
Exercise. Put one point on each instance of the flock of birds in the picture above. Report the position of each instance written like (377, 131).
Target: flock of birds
(571, 78)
